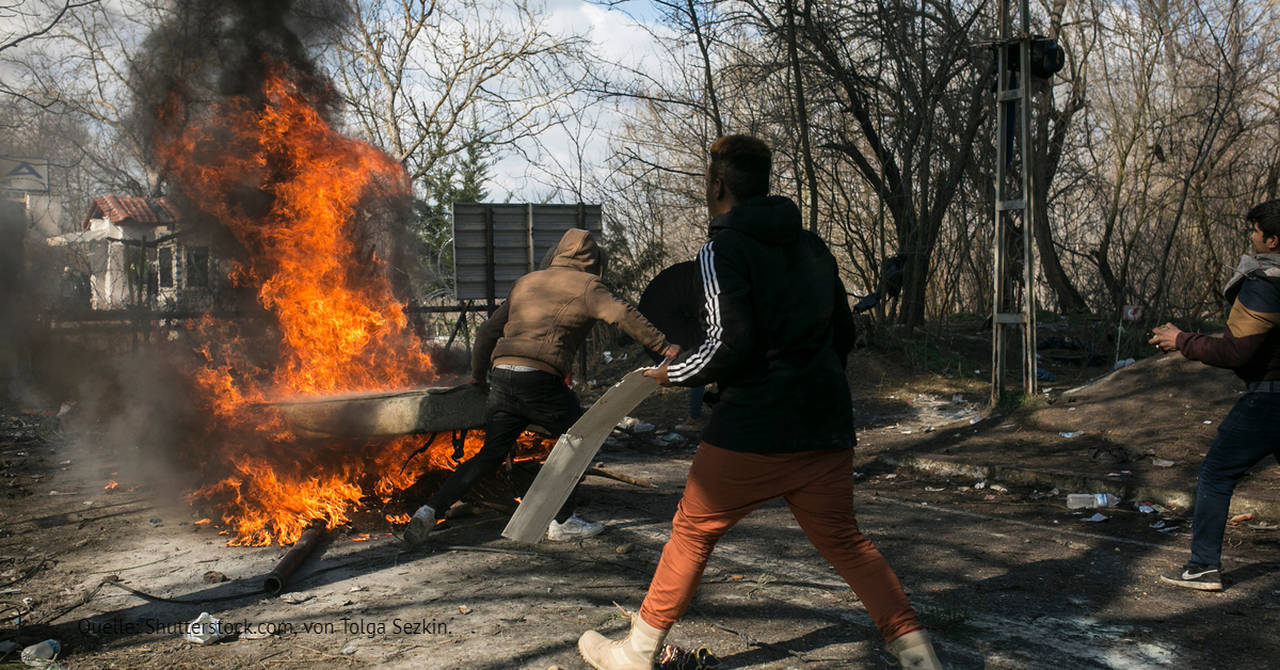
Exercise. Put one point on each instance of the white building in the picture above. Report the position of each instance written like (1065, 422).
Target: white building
(132, 254)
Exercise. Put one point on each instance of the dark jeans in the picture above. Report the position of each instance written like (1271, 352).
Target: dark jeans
(516, 399)
(1248, 434)
(696, 393)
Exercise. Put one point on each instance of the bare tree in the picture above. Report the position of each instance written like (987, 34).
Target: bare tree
(425, 79)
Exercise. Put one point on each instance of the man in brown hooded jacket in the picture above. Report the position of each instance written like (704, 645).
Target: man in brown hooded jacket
(524, 351)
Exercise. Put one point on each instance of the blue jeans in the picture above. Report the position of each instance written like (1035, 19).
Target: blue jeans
(516, 399)
(695, 401)
(1248, 434)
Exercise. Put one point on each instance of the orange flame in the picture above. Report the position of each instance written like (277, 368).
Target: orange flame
(111, 485)
(296, 195)
(291, 190)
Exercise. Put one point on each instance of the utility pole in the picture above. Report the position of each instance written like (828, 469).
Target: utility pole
(1021, 59)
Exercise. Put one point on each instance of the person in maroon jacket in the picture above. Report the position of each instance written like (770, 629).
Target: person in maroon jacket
(1251, 348)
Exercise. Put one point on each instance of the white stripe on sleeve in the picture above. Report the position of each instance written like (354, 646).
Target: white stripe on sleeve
(711, 294)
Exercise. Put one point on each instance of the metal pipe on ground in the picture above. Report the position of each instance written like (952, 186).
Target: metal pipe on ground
(276, 580)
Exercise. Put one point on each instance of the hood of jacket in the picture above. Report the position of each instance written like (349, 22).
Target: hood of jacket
(772, 219)
(1252, 265)
(578, 250)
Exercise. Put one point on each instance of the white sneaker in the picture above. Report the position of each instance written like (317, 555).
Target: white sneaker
(573, 528)
(422, 522)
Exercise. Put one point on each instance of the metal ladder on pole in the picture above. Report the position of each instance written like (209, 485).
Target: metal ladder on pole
(1014, 202)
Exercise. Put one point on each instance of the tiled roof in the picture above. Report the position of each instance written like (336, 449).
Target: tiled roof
(125, 210)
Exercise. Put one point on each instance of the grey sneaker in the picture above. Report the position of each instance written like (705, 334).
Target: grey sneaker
(1194, 576)
(573, 528)
(422, 522)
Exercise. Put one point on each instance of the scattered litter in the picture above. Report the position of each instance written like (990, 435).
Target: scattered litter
(1123, 364)
(859, 475)
(907, 431)
(41, 654)
(934, 489)
(671, 438)
(999, 488)
(463, 609)
(1207, 423)
(1146, 508)
(974, 420)
(980, 485)
(671, 657)
(1122, 473)
(356, 589)
(608, 357)
(1090, 500)
(891, 475)
(1071, 409)
(1071, 433)
(296, 598)
(1164, 526)
(155, 521)
(1098, 517)
(634, 425)
(349, 650)
(60, 493)
(1240, 517)
(624, 548)
(1163, 462)
(204, 629)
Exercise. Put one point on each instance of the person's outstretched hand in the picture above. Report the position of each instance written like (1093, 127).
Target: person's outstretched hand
(1165, 337)
(660, 373)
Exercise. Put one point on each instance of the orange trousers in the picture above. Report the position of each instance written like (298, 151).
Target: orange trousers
(724, 486)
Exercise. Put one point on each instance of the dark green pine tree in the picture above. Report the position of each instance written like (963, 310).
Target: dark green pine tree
(461, 179)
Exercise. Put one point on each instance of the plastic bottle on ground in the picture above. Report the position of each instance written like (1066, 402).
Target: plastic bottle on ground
(41, 654)
(1091, 500)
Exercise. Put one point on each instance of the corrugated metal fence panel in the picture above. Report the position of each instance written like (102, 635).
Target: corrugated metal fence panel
(510, 242)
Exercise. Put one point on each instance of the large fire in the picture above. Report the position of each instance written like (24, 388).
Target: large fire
(293, 191)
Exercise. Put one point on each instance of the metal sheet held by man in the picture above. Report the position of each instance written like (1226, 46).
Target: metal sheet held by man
(386, 413)
(571, 456)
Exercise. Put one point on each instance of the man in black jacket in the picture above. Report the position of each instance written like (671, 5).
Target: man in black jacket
(778, 329)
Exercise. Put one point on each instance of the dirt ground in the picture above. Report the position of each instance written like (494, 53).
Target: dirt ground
(1002, 574)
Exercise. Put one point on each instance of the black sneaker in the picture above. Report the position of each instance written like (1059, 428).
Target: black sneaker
(1195, 576)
